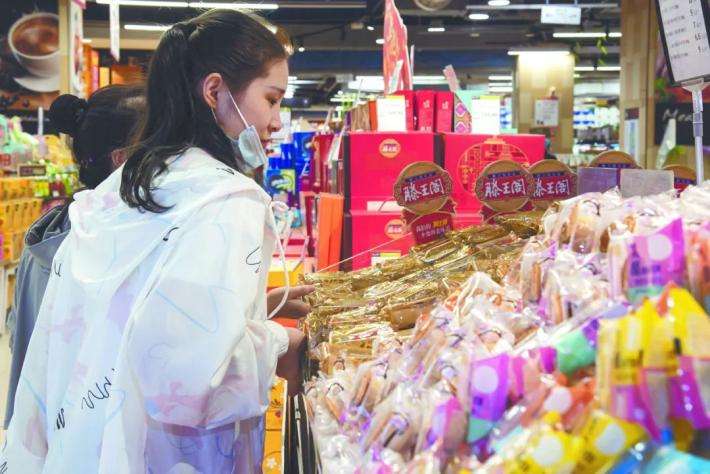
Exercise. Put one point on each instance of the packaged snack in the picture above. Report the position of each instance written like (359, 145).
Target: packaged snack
(655, 260)
(606, 439)
(488, 387)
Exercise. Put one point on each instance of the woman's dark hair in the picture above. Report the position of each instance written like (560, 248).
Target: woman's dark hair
(237, 45)
(98, 127)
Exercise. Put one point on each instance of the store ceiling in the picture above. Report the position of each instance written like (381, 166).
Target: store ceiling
(338, 36)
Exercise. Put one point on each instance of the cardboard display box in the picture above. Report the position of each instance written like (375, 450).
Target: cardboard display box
(366, 230)
(466, 155)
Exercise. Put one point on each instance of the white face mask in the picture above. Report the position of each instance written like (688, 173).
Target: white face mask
(248, 143)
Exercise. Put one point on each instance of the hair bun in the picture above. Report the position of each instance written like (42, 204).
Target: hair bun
(67, 112)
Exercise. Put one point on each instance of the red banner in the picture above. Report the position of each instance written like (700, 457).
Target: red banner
(395, 49)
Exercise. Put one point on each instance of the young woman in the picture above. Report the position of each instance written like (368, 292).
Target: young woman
(153, 351)
(99, 128)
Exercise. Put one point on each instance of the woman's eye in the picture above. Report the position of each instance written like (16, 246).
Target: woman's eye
(273, 102)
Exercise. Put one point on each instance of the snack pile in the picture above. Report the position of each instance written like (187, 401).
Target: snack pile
(579, 348)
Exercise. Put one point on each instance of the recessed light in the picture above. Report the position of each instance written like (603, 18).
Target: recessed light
(370, 28)
(138, 27)
(436, 29)
(499, 3)
(584, 68)
(520, 51)
(87, 40)
(479, 16)
(301, 49)
(380, 41)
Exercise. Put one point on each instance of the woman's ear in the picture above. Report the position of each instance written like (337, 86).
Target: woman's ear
(210, 89)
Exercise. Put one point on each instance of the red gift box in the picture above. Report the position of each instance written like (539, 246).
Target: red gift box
(465, 156)
(321, 150)
(409, 107)
(373, 160)
(382, 232)
(444, 111)
(425, 103)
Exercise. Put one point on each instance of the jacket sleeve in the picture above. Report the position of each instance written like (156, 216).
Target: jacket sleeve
(201, 355)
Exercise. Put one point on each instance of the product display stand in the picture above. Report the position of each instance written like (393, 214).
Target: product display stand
(696, 89)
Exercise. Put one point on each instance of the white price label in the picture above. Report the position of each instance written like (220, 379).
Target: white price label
(686, 38)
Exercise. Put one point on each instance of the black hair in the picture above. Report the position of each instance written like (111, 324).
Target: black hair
(239, 46)
(97, 127)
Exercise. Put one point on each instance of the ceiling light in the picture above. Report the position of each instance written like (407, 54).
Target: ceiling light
(146, 3)
(500, 89)
(429, 80)
(579, 34)
(301, 49)
(137, 27)
(537, 51)
(577, 76)
(500, 78)
(475, 35)
(615, 34)
(584, 68)
(500, 84)
(380, 41)
(87, 40)
(370, 28)
(479, 16)
(234, 5)
(609, 68)
(436, 29)
(499, 3)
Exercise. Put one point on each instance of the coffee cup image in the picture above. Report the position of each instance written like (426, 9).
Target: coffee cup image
(34, 41)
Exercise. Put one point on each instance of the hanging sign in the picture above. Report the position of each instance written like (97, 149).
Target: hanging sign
(561, 15)
(684, 26)
(423, 189)
(553, 181)
(394, 50)
(504, 186)
(682, 176)
(114, 30)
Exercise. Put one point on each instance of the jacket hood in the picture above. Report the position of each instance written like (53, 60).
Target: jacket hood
(47, 233)
(108, 239)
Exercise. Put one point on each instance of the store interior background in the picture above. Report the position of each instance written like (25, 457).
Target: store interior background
(606, 72)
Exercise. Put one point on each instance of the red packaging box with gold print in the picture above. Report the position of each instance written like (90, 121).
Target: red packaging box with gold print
(465, 156)
(425, 105)
(383, 232)
(373, 161)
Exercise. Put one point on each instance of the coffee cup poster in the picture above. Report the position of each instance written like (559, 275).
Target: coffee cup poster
(29, 55)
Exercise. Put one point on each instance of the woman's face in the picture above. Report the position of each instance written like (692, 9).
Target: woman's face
(260, 104)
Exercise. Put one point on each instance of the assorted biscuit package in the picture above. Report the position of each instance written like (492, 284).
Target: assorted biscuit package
(574, 341)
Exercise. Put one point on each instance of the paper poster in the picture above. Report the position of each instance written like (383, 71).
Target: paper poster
(115, 30)
(395, 48)
(76, 49)
(391, 114)
(631, 132)
(547, 113)
(485, 115)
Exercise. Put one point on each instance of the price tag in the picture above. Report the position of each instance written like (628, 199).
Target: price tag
(684, 30)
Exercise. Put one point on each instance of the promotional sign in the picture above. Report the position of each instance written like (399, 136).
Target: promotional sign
(614, 160)
(682, 113)
(553, 181)
(423, 190)
(645, 182)
(395, 49)
(682, 176)
(114, 30)
(391, 114)
(684, 26)
(30, 55)
(561, 15)
(485, 115)
(504, 186)
(547, 112)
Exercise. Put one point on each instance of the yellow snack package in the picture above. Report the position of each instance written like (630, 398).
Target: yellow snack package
(606, 439)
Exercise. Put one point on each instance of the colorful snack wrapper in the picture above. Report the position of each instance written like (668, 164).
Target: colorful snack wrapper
(655, 260)
(488, 387)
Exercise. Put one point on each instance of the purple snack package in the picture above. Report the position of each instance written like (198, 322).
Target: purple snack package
(488, 388)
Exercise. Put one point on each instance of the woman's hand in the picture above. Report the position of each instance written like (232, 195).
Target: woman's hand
(294, 307)
(289, 365)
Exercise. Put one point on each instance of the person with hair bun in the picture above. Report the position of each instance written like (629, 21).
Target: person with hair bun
(99, 129)
(154, 350)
